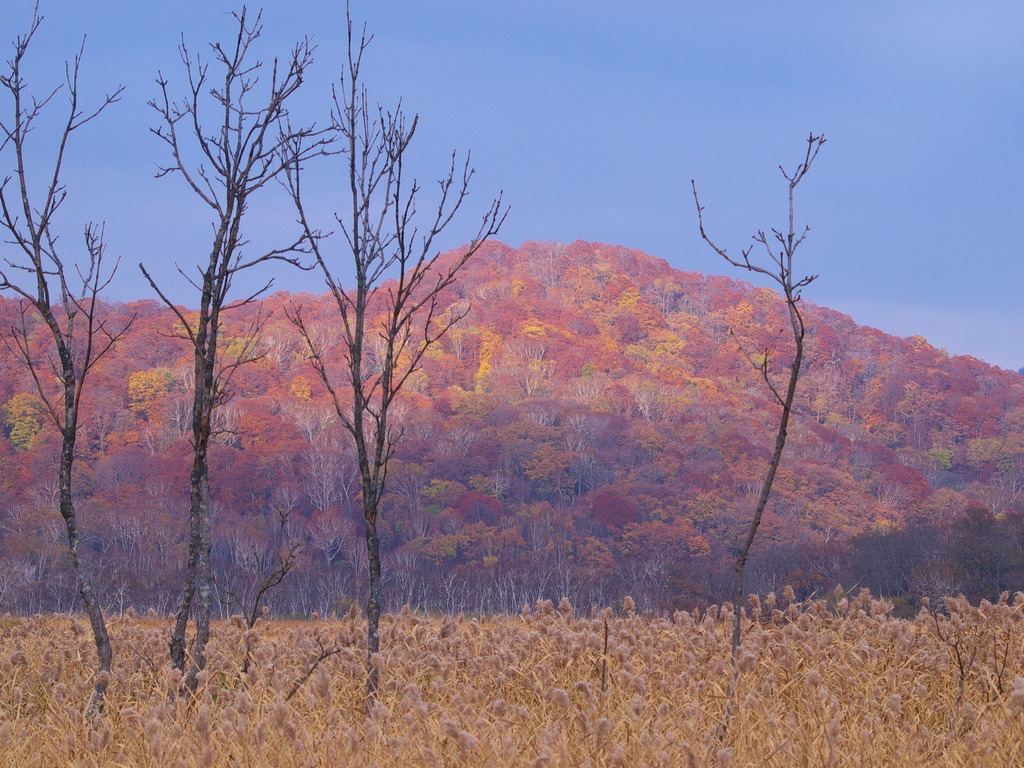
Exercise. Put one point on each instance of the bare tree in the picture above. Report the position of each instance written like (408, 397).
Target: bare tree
(779, 249)
(62, 295)
(246, 148)
(258, 564)
(263, 565)
(392, 313)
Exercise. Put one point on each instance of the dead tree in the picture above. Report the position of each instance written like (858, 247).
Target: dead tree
(392, 313)
(62, 295)
(778, 250)
(246, 147)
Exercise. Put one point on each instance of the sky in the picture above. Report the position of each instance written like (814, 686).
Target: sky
(592, 117)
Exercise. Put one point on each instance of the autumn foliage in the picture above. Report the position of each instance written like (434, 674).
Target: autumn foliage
(590, 429)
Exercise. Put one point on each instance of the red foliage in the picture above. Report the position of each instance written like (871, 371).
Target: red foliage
(612, 510)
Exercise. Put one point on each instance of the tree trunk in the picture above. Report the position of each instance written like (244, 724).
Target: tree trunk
(762, 502)
(31, 233)
(188, 590)
(198, 578)
(198, 570)
(104, 652)
(205, 575)
(780, 272)
(373, 606)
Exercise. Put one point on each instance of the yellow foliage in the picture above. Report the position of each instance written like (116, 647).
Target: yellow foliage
(534, 329)
(239, 347)
(146, 386)
(629, 298)
(490, 343)
(741, 317)
(24, 416)
(300, 387)
(650, 439)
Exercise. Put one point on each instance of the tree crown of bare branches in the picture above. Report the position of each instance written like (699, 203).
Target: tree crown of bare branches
(397, 274)
(781, 272)
(250, 147)
(779, 258)
(390, 252)
(80, 335)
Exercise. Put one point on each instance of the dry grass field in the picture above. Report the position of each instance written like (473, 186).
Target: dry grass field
(836, 682)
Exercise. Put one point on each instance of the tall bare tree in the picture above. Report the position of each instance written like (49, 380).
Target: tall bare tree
(391, 314)
(777, 251)
(61, 294)
(225, 160)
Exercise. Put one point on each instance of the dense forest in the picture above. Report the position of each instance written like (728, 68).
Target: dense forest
(592, 428)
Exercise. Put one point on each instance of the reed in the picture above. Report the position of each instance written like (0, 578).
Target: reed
(836, 682)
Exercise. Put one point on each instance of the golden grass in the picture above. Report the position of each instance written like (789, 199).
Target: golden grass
(838, 683)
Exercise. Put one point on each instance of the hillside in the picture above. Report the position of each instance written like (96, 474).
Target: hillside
(591, 428)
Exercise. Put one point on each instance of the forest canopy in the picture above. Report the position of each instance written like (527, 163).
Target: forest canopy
(589, 429)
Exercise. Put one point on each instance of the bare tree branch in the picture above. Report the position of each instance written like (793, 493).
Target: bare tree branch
(322, 655)
(265, 566)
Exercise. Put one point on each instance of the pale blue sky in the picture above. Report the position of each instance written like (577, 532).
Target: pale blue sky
(594, 116)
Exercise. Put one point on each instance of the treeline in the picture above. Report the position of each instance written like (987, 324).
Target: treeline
(481, 568)
(975, 554)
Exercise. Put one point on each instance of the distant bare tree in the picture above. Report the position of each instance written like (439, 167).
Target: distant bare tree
(779, 249)
(391, 315)
(63, 295)
(262, 566)
(247, 148)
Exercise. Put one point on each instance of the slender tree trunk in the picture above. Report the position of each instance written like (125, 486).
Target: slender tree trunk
(762, 502)
(205, 575)
(373, 606)
(188, 591)
(779, 249)
(384, 241)
(65, 480)
(77, 350)
(197, 589)
(104, 651)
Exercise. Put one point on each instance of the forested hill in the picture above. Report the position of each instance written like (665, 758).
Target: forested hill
(593, 427)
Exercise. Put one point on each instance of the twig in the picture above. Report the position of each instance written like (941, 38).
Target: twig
(325, 653)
